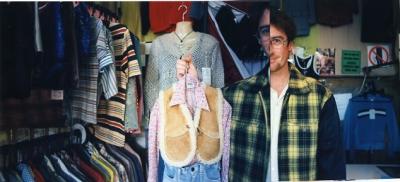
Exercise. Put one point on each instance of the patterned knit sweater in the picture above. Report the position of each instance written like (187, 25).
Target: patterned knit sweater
(161, 67)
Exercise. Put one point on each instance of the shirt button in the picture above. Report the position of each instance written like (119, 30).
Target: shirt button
(192, 169)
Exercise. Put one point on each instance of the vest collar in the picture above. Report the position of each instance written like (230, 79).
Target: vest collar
(178, 96)
(298, 83)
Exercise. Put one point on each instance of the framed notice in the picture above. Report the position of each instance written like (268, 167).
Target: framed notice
(351, 62)
(325, 61)
(378, 54)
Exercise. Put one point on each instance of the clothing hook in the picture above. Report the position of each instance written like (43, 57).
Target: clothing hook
(184, 13)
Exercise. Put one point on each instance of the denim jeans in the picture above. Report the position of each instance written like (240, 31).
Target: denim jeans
(197, 172)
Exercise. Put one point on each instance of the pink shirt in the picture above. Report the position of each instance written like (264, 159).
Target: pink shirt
(196, 98)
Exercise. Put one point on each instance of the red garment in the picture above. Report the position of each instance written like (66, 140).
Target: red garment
(165, 15)
(37, 175)
(89, 171)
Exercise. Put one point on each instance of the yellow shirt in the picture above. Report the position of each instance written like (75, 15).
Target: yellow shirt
(131, 18)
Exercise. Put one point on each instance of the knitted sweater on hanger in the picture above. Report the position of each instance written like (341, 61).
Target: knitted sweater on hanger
(161, 67)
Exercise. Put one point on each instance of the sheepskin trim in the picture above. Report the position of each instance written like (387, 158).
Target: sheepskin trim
(215, 100)
(177, 140)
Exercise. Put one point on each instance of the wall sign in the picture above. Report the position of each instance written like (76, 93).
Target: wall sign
(378, 54)
(351, 62)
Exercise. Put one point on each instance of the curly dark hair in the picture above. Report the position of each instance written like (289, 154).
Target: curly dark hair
(258, 9)
(284, 23)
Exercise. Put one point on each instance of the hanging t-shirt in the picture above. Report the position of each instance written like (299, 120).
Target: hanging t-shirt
(335, 13)
(110, 127)
(132, 18)
(377, 21)
(303, 14)
(306, 65)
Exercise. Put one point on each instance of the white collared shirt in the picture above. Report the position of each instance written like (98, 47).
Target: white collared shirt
(276, 111)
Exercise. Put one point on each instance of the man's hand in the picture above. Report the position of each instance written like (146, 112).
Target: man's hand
(185, 66)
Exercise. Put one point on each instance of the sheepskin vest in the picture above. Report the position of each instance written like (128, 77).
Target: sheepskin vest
(183, 138)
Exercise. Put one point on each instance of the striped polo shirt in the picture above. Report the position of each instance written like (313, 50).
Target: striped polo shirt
(111, 112)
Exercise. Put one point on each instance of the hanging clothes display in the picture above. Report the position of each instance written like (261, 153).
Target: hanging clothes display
(71, 46)
(111, 113)
(370, 124)
(166, 49)
(84, 98)
(234, 68)
(16, 69)
(335, 13)
(303, 14)
(132, 17)
(57, 159)
(189, 141)
(377, 27)
(53, 63)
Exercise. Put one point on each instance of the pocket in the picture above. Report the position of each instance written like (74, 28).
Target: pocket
(178, 147)
(212, 172)
(208, 146)
(305, 129)
(169, 173)
(302, 135)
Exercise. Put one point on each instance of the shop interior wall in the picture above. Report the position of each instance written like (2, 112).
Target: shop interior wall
(348, 37)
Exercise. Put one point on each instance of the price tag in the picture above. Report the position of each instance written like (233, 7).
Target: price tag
(57, 95)
(206, 75)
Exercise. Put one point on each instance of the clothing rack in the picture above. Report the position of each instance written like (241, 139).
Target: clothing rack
(57, 152)
(13, 153)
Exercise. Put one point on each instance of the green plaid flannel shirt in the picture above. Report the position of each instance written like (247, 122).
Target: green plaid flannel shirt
(250, 133)
(249, 99)
(298, 133)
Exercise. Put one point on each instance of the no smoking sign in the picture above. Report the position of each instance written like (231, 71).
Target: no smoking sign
(378, 54)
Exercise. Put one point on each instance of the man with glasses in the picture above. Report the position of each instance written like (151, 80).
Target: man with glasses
(305, 135)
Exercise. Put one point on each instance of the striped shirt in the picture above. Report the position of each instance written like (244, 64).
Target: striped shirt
(84, 97)
(108, 81)
(111, 112)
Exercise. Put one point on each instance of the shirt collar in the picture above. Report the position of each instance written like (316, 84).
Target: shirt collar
(178, 96)
(297, 82)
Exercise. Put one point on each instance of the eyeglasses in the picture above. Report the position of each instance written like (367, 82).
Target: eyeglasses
(277, 42)
(263, 31)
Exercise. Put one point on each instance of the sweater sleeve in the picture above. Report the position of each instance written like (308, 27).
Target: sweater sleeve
(330, 151)
(217, 68)
(227, 112)
(151, 85)
(153, 143)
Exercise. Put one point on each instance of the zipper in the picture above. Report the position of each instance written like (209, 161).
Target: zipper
(264, 109)
(266, 123)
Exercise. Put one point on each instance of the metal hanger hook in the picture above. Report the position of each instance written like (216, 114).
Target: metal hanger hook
(184, 13)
